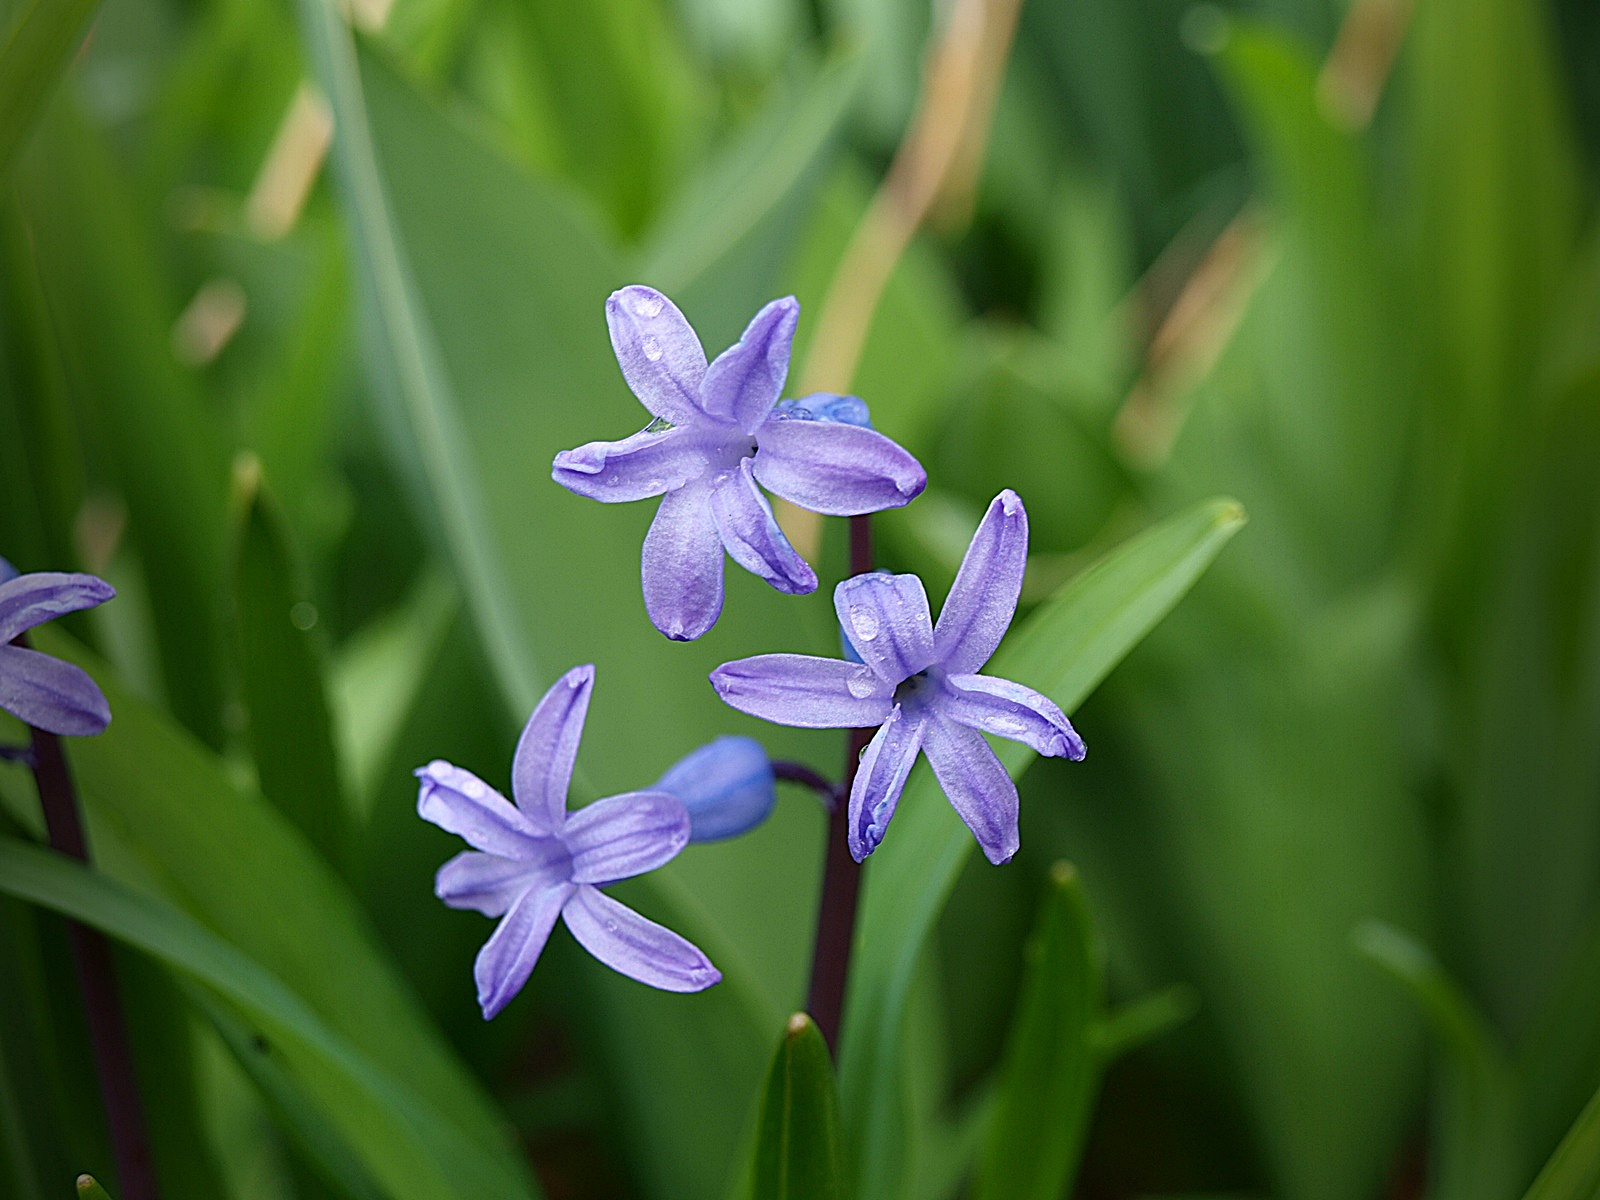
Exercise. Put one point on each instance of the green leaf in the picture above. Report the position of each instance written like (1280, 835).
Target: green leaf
(797, 1137)
(89, 1189)
(1064, 650)
(281, 672)
(407, 1144)
(165, 813)
(35, 53)
(1573, 1172)
(1052, 1067)
(1475, 1150)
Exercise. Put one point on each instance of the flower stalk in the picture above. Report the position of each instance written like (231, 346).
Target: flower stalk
(91, 953)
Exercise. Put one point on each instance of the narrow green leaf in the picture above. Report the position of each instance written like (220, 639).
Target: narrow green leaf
(1064, 650)
(89, 1189)
(281, 672)
(407, 1144)
(36, 50)
(1144, 1020)
(1573, 1172)
(1475, 1150)
(1052, 1067)
(797, 1137)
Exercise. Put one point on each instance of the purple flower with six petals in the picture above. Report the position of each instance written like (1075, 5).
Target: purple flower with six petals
(918, 682)
(715, 436)
(535, 861)
(42, 691)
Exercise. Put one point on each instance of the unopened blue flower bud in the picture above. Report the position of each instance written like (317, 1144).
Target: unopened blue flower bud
(826, 406)
(7, 571)
(727, 786)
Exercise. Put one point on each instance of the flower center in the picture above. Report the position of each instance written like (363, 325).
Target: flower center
(916, 692)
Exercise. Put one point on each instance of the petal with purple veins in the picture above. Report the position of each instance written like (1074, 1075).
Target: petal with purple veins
(1010, 710)
(660, 356)
(541, 771)
(886, 619)
(29, 600)
(835, 469)
(486, 883)
(746, 379)
(976, 784)
(623, 836)
(983, 598)
(636, 468)
(880, 778)
(459, 802)
(50, 694)
(751, 536)
(639, 949)
(797, 689)
(508, 957)
(682, 565)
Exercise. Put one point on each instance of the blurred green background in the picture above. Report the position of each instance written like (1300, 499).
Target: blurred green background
(296, 305)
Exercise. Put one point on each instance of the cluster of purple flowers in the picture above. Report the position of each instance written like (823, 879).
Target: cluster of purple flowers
(719, 433)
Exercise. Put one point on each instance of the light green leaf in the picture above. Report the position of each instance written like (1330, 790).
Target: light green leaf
(1573, 1172)
(407, 1144)
(797, 1154)
(37, 48)
(1051, 1071)
(1064, 650)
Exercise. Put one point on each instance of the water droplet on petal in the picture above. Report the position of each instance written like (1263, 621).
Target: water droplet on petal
(473, 789)
(1006, 726)
(865, 623)
(648, 306)
(861, 684)
(612, 926)
(652, 349)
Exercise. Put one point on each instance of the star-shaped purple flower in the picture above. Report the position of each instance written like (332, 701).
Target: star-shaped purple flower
(535, 861)
(715, 436)
(42, 691)
(918, 681)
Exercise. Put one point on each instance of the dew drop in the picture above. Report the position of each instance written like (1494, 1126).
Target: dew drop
(861, 684)
(612, 927)
(864, 623)
(648, 306)
(303, 616)
(1006, 726)
(473, 789)
(652, 349)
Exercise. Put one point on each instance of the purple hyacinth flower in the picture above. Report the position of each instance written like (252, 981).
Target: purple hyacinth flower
(727, 785)
(918, 682)
(717, 433)
(42, 691)
(534, 861)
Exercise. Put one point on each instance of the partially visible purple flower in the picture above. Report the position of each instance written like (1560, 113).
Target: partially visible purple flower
(718, 432)
(727, 786)
(534, 861)
(918, 682)
(42, 691)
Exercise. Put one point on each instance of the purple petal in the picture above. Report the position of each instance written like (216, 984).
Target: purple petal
(836, 469)
(751, 535)
(508, 957)
(682, 565)
(983, 598)
(623, 836)
(636, 468)
(29, 600)
(50, 694)
(541, 771)
(727, 786)
(660, 356)
(459, 802)
(747, 378)
(640, 949)
(976, 785)
(880, 778)
(1010, 710)
(797, 689)
(487, 883)
(886, 619)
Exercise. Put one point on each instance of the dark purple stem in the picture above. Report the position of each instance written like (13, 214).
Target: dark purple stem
(793, 772)
(841, 874)
(108, 1032)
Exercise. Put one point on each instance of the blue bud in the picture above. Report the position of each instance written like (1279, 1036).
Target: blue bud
(825, 406)
(727, 786)
(7, 571)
